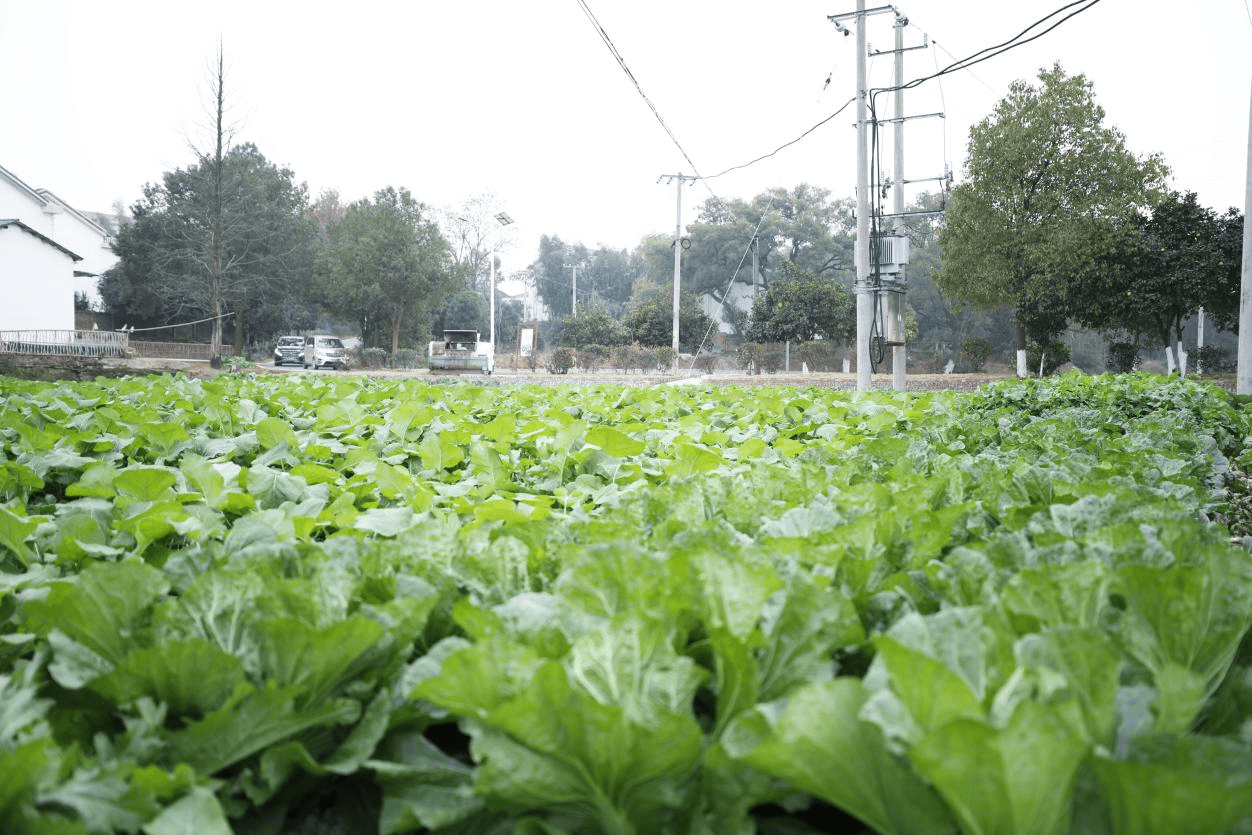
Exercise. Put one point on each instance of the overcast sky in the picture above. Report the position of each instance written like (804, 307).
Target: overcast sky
(524, 102)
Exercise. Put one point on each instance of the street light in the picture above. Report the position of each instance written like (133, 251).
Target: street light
(504, 220)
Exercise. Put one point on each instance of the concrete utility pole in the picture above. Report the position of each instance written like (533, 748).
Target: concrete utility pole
(573, 302)
(864, 293)
(1243, 375)
(899, 353)
(678, 247)
(504, 220)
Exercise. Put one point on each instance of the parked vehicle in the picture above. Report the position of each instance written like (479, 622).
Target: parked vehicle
(325, 351)
(460, 350)
(289, 350)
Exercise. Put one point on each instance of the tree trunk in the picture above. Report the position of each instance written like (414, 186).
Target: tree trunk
(1169, 359)
(239, 348)
(395, 335)
(1019, 331)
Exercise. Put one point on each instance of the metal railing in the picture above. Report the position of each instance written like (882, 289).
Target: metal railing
(65, 343)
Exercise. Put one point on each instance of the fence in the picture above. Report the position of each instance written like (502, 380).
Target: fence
(65, 343)
(177, 350)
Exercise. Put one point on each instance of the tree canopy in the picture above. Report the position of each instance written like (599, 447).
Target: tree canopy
(650, 320)
(218, 238)
(1167, 263)
(387, 266)
(1047, 184)
(801, 226)
(801, 306)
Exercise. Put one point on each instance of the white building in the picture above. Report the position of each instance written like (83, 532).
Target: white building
(48, 250)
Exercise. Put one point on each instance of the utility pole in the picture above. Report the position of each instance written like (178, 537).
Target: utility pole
(899, 353)
(574, 297)
(879, 301)
(1243, 373)
(504, 220)
(864, 293)
(756, 266)
(678, 247)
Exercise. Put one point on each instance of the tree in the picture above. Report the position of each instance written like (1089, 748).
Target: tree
(650, 319)
(801, 306)
(1047, 181)
(1168, 263)
(219, 238)
(605, 276)
(801, 226)
(592, 326)
(552, 273)
(386, 265)
(226, 236)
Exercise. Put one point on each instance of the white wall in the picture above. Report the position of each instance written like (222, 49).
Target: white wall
(36, 283)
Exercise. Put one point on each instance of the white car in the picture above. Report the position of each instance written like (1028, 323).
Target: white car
(289, 349)
(325, 351)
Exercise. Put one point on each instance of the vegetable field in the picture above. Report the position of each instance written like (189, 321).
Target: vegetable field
(322, 604)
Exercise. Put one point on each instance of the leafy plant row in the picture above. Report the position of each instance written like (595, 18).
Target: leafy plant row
(263, 605)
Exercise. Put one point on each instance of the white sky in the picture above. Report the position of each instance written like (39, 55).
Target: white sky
(523, 101)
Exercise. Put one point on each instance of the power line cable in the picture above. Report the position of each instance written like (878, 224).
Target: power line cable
(785, 145)
(769, 207)
(957, 64)
(608, 42)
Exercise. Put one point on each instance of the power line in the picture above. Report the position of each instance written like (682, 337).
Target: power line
(999, 49)
(959, 64)
(608, 42)
(785, 144)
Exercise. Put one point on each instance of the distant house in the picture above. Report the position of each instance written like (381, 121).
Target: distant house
(48, 250)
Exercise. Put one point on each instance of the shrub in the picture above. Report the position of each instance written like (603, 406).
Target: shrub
(560, 361)
(407, 358)
(707, 362)
(819, 355)
(370, 357)
(1214, 360)
(593, 357)
(749, 354)
(1053, 355)
(974, 354)
(1123, 357)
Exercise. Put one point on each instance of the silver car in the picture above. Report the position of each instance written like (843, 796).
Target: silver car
(325, 351)
(289, 350)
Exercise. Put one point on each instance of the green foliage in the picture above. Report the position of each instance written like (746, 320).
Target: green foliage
(604, 276)
(219, 236)
(560, 361)
(1047, 183)
(592, 326)
(592, 357)
(1047, 357)
(1123, 357)
(386, 265)
(802, 226)
(1215, 360)
(1169, 262)
(974, 354)
(227, 604)
(650, 320)
(801, 306)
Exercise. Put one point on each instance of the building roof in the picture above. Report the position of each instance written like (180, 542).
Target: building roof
(87, 220)
(17, 183)
(6, 223)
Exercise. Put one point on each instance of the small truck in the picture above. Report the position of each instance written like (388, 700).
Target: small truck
(460, 351)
